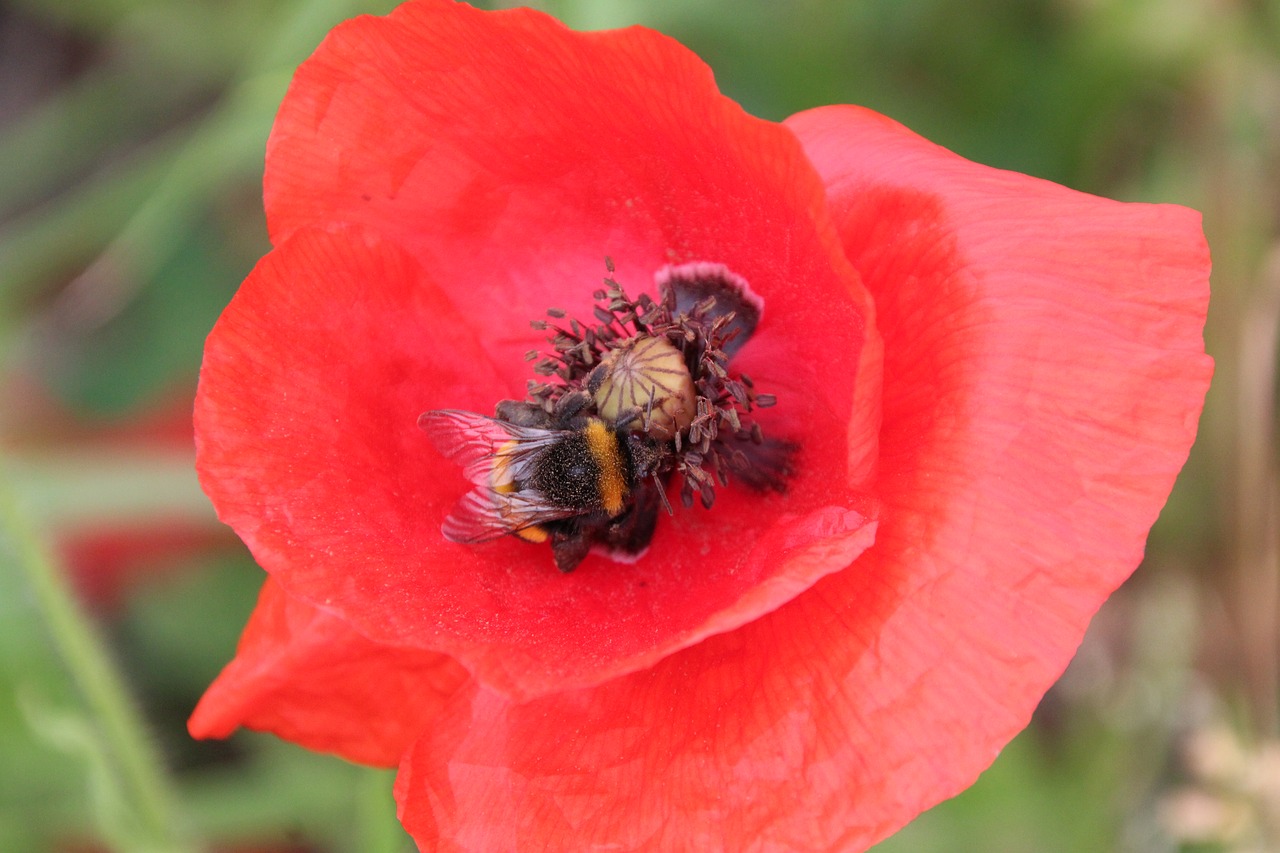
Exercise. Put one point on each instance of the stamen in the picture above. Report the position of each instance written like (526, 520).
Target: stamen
(655, 374)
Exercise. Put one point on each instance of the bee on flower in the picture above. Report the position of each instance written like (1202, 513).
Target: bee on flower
(644, 394)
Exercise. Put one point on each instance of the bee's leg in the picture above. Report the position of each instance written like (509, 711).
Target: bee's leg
(570, 549)
(570, 406)
(523, 414)
(631, 532)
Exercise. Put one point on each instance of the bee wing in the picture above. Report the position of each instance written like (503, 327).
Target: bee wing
(491, 453)
(475, 442)
(483, 514)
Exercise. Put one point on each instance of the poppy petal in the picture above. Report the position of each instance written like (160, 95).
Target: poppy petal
(511, 155)
(510, 188)
(1044, 375)
(306, 415)
(1044, 372)
(306, 676)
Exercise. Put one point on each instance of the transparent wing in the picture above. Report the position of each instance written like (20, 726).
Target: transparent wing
(494, 456)
(479, 444)
(483, 514)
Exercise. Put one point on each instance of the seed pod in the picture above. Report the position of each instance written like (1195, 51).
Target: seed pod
(648, 374)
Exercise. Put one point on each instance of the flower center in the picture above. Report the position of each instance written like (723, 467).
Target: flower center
(645, 375)
(632, 400)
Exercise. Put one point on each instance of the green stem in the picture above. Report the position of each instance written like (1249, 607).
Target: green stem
(139, 771)
(379, 830)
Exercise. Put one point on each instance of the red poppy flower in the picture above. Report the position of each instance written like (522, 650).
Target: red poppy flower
(991, 381)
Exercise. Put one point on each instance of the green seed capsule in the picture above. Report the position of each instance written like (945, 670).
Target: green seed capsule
(648, 374)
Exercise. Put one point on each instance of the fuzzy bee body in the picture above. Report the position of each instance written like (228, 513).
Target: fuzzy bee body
(571, 486)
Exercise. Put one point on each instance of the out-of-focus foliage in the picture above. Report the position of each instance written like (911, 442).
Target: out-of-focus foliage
(131, 138)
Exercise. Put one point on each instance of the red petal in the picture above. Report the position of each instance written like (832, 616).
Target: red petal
(453, 131)
(306, 676)
(1043, 375)
(511, 156)
(308, 446)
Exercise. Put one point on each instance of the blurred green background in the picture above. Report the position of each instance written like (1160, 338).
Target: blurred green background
(131, 145)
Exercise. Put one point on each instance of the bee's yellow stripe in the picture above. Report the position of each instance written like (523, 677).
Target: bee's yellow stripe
(500, 479)
(603, 444)
(533, 534)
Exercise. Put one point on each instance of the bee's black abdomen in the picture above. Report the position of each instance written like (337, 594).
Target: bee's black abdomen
(568, 475)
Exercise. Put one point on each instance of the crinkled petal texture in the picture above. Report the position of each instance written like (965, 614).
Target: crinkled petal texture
(1044, 372)
(437, 179)
(304, 675)
(798, 672)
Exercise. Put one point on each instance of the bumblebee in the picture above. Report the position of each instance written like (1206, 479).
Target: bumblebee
(564, 478)
(640, 398)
